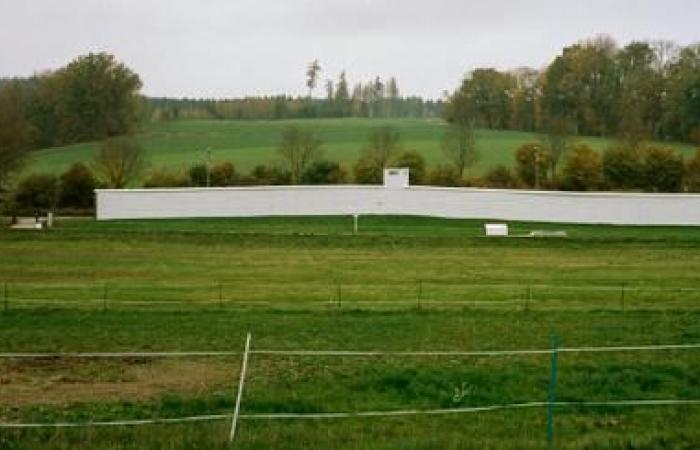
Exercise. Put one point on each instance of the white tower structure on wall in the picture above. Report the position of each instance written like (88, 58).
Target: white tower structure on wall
(396, 177)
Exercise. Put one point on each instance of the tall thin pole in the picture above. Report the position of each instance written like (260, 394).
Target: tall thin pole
(239, 394)
(552, 394)
(5, 295)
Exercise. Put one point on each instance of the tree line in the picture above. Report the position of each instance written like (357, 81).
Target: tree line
(121, 162)
(370, 99)
(640, 92)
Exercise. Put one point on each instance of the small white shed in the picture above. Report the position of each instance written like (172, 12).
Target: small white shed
(496, 229)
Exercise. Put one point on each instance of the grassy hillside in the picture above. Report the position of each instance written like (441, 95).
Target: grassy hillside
(247, 143)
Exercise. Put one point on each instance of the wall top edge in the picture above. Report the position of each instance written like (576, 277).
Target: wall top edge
(411, 188)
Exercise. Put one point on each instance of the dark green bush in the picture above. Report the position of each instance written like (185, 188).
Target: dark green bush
(77, 187)
(37, 192)
(415, 163)
(324, 172)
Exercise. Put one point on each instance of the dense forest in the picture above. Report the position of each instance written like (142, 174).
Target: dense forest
(642, 91)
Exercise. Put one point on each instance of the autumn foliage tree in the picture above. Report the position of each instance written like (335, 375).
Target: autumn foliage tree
(692, 173)
(533, 162)
(77, 186)
(662, 169)
(119, 161)
(583, 169)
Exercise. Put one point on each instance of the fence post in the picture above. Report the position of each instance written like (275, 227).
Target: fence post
(239, 394)
(552, 394)
(5, 296)
(355, 224)
(104, 297)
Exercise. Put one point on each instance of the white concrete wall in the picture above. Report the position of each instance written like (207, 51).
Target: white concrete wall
(610, 208)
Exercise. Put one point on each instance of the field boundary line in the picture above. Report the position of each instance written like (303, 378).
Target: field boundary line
(342, 415)
(662, 347)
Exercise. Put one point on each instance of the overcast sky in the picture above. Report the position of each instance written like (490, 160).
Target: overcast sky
(231, 48)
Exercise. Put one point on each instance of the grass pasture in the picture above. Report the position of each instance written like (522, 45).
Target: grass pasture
(179, 144)
(406, 284)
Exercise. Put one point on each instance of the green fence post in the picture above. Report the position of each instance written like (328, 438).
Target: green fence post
(104, 297)
(5, 296)
(552, 394)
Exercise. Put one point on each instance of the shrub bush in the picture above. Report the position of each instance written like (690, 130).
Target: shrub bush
(198, 175)
(367, 171)
(623, 167)
(270, 175)
(77, 187)
(324, 172)
(223, 174)
(692, 173)
(162, 178)
(583, 170)
(663, 170)
(500, 177)
(39, 191)
(415, 163)
(444, 175)
(532, 164)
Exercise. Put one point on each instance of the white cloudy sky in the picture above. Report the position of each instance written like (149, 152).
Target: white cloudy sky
(228, 48)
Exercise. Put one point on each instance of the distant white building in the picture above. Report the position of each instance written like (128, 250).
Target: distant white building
(397, 197)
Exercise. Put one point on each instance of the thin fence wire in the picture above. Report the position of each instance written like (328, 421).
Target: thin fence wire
(357, 414)
(347, 353)
(418, 293)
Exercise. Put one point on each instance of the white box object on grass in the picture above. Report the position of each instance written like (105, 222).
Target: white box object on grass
(496, 229)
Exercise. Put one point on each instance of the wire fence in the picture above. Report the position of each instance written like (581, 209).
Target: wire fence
(550, 404)
(338, 294)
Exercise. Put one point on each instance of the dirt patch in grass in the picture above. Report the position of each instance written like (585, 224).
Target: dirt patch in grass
(60, 382)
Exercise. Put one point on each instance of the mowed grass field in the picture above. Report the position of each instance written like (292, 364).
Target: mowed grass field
(179, 144)
(401, 284)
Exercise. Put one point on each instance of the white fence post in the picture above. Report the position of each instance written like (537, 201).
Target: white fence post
(241, 382)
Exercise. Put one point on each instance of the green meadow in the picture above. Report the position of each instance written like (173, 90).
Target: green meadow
(178, 145)
(400, 284)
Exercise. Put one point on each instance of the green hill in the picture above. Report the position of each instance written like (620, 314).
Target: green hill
(179, 144)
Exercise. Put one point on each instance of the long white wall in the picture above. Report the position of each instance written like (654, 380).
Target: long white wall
(609, 208)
